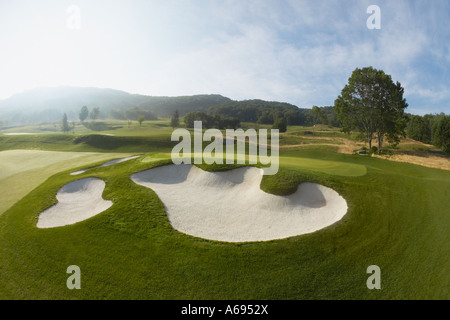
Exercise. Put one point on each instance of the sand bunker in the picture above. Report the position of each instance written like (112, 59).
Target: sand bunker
(77, 201)
(18, 133)
(230, 206)
(109, 163)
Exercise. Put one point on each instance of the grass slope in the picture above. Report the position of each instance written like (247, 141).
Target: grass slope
(23, 170)
(398, 219)
(88, 143)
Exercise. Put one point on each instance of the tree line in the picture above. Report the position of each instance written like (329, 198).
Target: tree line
(211, 121)
(431, 129)
(268, 112)
(278, 114)
(132, 114)
(371, 104)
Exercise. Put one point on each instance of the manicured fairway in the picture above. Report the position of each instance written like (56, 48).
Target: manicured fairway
(330, 167)
(23, 170)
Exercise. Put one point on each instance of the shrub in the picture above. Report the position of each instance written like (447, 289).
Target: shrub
(280, 124)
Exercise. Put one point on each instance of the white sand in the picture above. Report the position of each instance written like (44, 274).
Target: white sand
(18, 133)
(77, 201)
(109, 163)
(78, 172)
(230, 206)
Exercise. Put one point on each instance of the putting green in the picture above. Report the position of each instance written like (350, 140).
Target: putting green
(329, 167)
(23, 170)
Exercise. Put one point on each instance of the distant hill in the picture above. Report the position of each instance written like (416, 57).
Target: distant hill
(49, 104)
(166, 106)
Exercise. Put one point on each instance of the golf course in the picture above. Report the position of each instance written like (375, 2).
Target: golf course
(134, 241)
(214, 159)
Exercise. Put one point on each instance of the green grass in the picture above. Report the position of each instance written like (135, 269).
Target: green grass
(398, 219)
(293, 140)
(324, 161)
(88, 143)
(116, 127)
(320, 131)
(23, 170)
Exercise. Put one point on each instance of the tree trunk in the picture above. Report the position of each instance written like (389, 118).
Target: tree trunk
(380, 142)
(369, 138)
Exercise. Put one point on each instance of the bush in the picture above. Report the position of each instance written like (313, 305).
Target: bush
(374, 149)
(280, 124)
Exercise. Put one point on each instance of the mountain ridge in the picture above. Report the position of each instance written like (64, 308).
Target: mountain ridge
(48, 104)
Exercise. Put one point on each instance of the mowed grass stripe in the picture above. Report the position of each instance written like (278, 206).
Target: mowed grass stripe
(325, 166)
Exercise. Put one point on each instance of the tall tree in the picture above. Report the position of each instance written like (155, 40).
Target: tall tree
(175, 120)
(84, 113)
(316, 111)
(372, 104)
(280, 124)
(441, 132)
(190, 117)
(419, 129)
(95, 112)
(141, 119)
(65, 124)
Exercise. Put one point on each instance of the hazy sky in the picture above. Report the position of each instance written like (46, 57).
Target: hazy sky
(301, 52)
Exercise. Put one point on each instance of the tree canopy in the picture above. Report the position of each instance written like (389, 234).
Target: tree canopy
(372, 104)
(419, 128)
(84, 113)
(209, 121)
(280, 124)
(441, 133)
(65, 124)
(95, 112)
(175, 120)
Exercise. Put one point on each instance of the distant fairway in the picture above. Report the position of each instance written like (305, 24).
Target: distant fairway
(23, 170)
(329, 167)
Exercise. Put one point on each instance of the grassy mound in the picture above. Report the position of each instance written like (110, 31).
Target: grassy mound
(88, 143)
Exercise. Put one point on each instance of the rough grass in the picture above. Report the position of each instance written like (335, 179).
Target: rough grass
(291, 139)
